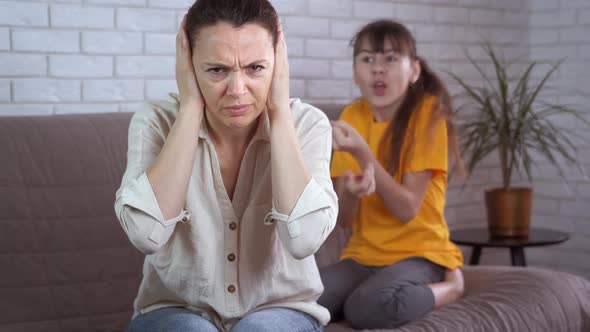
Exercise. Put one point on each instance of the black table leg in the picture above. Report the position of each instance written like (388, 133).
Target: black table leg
(517, 256)
(475, 254)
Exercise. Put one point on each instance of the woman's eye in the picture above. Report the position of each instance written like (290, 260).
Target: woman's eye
(256, 68)
(215, 70)
(390, 58)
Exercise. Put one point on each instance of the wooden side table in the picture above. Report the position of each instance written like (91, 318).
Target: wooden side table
(479, 238)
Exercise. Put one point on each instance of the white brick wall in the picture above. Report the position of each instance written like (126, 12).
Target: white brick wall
(561, 30)
(312, 68)
(68, 16)
(415, 12)
(46, 90)
(145, 19)
(144, 66)
(112, 42)
(451, 15)
(4, 39)
(295, 46)
(80, 66)
(160, 43)
(59, 56)
(46, 40)
(4, 90)
(328, 48)
(167, 4)
(21, 13)
(14, 64)
(330, 8)
(373, 9)
(118, 2)
(113, 90)
(307, 27)
(344, 29)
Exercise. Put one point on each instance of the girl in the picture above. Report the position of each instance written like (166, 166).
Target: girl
(390, 174)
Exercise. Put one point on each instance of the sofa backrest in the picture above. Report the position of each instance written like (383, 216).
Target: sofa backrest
(331, 110)
(66, 264)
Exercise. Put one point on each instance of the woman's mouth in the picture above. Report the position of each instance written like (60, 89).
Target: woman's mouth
(237, 110)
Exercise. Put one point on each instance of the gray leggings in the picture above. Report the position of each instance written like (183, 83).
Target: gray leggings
(371, 297)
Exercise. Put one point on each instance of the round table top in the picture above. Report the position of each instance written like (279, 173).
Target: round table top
(481, 237)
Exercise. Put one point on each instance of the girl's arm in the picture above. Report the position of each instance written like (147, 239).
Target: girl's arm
(348, 203)
(350, 188)
(404, 199)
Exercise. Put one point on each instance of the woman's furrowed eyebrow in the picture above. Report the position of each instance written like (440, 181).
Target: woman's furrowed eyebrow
(216, 64)
(256, 62)
(223, 65)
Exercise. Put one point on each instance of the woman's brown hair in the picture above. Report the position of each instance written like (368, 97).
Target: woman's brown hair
(428, 84)
(205, 13)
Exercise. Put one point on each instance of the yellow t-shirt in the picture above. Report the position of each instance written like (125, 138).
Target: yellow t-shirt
(379, 238)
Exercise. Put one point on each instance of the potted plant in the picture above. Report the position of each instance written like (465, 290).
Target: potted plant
(507, 116)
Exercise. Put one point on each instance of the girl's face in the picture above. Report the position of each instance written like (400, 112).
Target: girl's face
(384, 77)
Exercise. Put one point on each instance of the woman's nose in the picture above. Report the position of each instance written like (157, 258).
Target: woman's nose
(237, 85)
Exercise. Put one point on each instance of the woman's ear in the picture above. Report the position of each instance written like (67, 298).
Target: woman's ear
(416, 70)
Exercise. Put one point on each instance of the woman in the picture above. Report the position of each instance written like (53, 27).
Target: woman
(390, 174)
(210, 172)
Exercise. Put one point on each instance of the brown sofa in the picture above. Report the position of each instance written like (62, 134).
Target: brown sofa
(65, 264)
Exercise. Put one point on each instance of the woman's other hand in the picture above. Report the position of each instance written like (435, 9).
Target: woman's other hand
(188, 88)
(278, 95)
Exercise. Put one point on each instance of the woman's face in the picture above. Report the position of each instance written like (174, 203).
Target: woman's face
(384, 78)
(234, 69)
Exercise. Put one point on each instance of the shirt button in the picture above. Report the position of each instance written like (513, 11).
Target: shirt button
(231, 257)
(233, 226)
(184, 219)
(231, 288)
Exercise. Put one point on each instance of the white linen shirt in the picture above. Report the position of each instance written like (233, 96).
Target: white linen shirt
(226, 258)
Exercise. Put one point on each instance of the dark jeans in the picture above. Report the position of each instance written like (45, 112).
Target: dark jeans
(370, 297)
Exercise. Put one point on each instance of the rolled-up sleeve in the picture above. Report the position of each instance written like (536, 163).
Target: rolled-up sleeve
(141, 217)
(136, 205)
(314, 215)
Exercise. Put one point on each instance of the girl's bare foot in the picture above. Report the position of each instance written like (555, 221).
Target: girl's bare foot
(455, 278)
(449, 290)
